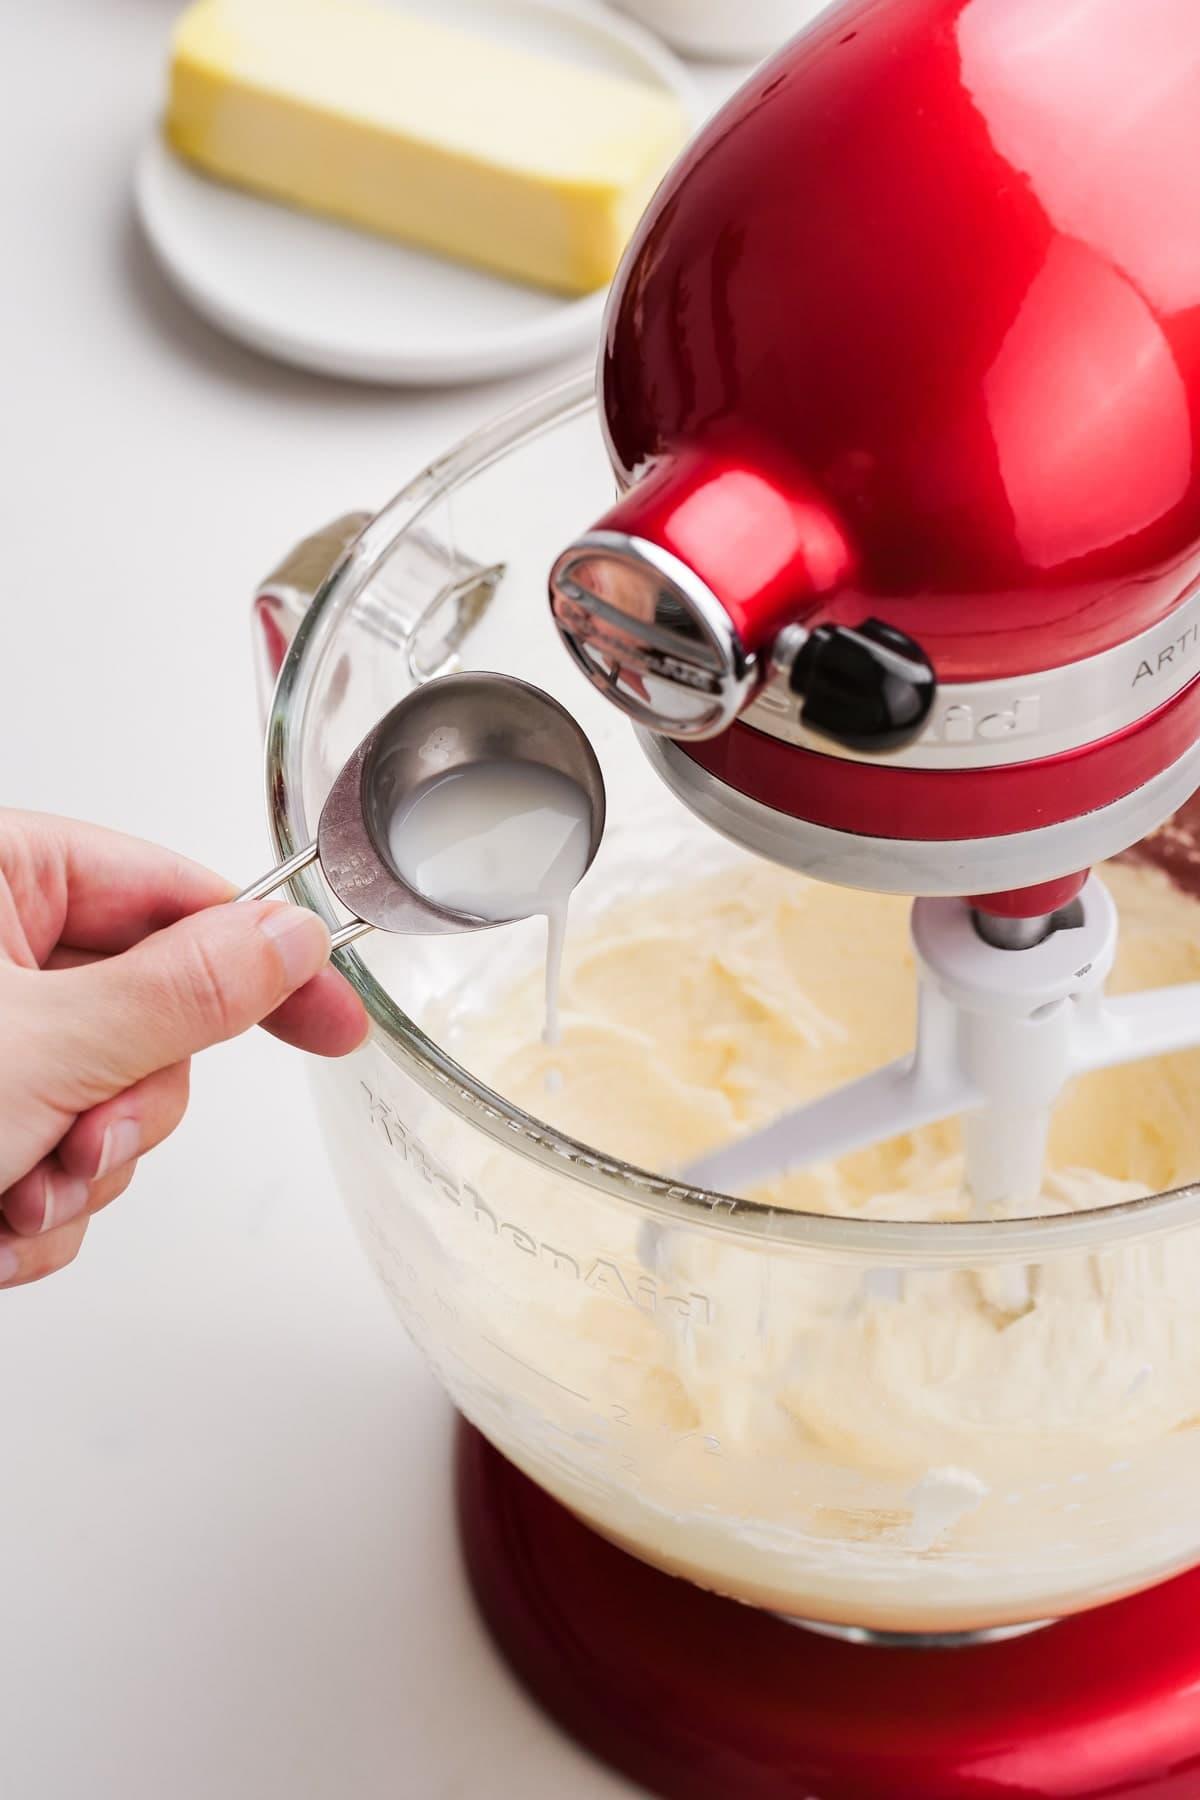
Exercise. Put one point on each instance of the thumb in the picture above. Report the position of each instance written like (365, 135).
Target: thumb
(206, 978)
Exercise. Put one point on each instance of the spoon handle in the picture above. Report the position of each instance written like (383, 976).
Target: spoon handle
(266, 884)
(346, 934)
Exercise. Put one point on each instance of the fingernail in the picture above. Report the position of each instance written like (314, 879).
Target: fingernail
(10, 1263)
(65, 1198)
(300, 939)
(119, 1145)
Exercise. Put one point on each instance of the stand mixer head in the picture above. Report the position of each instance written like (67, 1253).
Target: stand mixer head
(902, 586)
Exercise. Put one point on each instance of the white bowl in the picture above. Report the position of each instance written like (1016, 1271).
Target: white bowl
(322, 296)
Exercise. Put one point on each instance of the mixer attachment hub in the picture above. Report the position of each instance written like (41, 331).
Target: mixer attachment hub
(1004, 932)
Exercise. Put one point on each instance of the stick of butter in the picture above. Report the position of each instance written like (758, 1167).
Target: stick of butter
(535, 168)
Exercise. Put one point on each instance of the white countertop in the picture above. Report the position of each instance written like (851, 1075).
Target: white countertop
(229, 1565)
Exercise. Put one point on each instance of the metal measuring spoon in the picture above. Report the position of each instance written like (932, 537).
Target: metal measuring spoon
(444, 724)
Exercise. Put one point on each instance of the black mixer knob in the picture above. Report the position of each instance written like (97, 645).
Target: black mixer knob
(866, 686)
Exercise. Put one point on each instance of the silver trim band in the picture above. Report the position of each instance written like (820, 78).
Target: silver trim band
(926, 866)
(987, 724)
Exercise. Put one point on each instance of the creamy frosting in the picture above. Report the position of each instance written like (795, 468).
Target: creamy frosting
(916, 1447)
(691, 1018)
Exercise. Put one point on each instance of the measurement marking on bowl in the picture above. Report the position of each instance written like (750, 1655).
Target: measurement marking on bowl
(534, 1370)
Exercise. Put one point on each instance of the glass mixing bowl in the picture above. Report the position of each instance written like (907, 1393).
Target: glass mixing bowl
(766, 1402)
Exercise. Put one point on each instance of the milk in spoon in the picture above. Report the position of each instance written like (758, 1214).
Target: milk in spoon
(501, 841)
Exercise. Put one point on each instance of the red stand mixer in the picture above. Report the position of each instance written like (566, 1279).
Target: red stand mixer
(902, 588)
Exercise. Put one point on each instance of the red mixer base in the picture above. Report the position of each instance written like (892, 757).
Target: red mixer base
(698, 1698)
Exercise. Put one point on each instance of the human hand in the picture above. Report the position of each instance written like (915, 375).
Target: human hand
(117, 962)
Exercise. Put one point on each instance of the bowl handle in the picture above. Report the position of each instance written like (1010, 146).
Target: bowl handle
(424, 598)
(284, 597)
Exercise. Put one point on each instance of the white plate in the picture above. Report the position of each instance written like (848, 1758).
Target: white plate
(326, 297)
